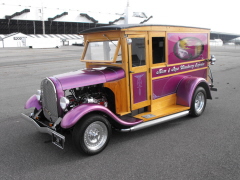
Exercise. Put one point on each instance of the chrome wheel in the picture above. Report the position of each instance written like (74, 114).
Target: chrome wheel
(199, 102)
(92, 134)
(95, 136)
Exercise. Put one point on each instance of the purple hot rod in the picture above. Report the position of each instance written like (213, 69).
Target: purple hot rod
(136, 76)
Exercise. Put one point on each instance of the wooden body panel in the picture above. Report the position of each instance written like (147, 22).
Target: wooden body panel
(123, 90)
(165, 29)
(163, 102)
(121, 101)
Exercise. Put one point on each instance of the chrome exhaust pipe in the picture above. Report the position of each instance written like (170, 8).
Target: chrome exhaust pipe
(155, 122)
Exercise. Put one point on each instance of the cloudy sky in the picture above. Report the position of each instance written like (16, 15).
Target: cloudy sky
(217, 15)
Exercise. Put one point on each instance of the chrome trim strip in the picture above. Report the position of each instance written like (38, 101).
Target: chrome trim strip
(156, 121)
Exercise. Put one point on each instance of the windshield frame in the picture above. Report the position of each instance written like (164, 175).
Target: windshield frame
(102, 40)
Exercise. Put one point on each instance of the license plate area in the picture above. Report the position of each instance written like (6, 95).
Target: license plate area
(58, 139)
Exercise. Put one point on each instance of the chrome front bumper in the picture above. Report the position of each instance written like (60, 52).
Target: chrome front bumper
(57, 139)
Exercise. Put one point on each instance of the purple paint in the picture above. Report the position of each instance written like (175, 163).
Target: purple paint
(33, 102)
(183, 47)
(186, 89)
(166, 86)
(75, 114)
(139, 87)
(89, 77)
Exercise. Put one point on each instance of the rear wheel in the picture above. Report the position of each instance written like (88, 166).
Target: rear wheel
(198, 102)
(92, 134)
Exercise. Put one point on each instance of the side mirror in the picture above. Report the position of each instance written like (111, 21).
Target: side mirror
(212, 60)
(129, 41)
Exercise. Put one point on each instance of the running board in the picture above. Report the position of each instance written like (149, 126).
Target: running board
(155, 122)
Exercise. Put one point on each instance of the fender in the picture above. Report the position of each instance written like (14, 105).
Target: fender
(73, 116)
(187, 87)
(33, 102)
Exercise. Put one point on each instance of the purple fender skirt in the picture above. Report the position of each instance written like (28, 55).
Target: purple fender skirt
(186, 89)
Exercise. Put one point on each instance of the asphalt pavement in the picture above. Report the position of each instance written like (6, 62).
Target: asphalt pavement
(202, 148)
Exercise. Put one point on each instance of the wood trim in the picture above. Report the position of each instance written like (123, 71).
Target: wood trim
(117, 51)
(106, 61)
(135, 32)
(85, 50)
(119, 89)
(209, 56)
(139, 69)
(164, 28)
(141, 104)
(164, 102)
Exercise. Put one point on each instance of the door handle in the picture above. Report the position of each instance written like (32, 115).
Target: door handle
(131, 71)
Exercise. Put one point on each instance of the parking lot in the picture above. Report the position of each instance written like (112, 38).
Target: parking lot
(203, 148)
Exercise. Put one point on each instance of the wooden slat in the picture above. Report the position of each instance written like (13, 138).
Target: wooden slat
(119, 89)
(164, 102)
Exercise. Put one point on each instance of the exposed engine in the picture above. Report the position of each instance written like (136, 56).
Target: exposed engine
(88, 94)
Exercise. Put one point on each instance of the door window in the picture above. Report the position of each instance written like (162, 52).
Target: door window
(158, 50)
(138, 52)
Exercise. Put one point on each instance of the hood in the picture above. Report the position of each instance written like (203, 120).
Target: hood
(88, 77)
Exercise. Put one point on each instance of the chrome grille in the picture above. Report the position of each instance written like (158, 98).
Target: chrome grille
(49, 100)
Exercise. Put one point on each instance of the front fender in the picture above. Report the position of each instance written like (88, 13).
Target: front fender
(73, 116)
(33, 102)
(187, 87)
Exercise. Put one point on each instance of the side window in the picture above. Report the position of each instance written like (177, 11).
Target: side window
(158, 50)
(138, 52)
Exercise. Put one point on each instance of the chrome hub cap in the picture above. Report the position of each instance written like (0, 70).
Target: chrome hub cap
(95, 136)
(199, 102)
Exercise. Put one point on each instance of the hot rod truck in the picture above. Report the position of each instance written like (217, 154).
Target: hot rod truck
(136, 76)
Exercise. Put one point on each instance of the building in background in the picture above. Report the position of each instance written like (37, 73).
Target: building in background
(38, 20)
(14, 40)
(43, 20)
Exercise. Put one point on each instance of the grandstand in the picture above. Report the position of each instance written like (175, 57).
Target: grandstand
(41, 22)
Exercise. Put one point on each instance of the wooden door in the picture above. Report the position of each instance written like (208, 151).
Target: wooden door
(139, 71)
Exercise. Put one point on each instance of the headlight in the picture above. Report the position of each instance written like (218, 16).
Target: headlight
(64, 102)
(38, 95)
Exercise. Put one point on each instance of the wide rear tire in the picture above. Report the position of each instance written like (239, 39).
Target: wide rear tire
(199, 101)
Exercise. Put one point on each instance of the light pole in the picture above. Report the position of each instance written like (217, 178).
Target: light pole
(126, 13)
(43, 23)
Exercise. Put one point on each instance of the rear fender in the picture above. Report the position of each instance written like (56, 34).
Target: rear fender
(187, 87)
(33, 102)
(75, 115)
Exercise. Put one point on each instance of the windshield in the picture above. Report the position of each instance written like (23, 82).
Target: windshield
(102, 51)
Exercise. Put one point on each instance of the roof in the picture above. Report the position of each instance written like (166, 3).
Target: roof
(61, 36)
(125, 26)
(12, 34)
(224, 33)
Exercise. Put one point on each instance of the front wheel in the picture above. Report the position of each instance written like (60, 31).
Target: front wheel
(92, 134)
(198, 102)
